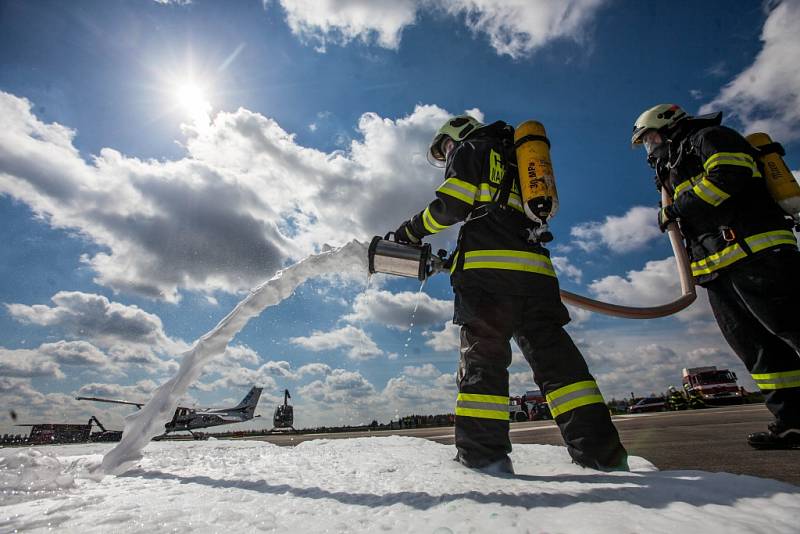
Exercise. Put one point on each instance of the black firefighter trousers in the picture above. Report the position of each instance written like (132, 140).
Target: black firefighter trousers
(488, 321)
(756, 305)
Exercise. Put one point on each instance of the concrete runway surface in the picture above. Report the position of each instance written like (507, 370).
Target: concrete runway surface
(709, 440)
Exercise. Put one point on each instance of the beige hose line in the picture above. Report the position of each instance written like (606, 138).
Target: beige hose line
(630, 312)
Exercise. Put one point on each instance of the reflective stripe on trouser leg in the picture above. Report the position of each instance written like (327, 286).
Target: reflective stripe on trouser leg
(482, 413)
(782, 380)
(755, 308)
(482, 406)
(573, 396)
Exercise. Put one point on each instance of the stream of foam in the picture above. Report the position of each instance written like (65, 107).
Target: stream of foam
(144, 425)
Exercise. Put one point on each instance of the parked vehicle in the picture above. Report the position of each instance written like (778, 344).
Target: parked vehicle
(648, 404)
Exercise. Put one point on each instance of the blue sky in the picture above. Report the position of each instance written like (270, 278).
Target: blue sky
(158, 159)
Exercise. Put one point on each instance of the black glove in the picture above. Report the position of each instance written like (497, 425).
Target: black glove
(404, 234)
(666, 215)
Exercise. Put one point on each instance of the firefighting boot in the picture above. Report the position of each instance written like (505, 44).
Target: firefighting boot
(503, 466)
(778, 436)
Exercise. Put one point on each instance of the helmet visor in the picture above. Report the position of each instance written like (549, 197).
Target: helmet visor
(435, 156)
(651, 140)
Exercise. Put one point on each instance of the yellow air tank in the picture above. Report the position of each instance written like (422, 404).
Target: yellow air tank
(780, 181)
(536, 179)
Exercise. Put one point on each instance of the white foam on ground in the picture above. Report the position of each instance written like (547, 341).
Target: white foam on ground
(145, 424)
(387, 484)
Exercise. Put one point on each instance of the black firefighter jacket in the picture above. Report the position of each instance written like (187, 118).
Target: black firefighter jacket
(493, 251)
(725, 211)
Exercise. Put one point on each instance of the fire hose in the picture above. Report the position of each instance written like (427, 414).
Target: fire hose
(688, 293)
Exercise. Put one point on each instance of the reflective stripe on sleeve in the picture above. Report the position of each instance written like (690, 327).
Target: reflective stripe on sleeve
(687, 185)
(710, 192)
(782, 380)
(482, 406)
(463, 191)
(719, 260)
(515, 201)
(770, 239)
(739, 159)
(486, 193)
(512, 260)
(430, 223)
(574, 396)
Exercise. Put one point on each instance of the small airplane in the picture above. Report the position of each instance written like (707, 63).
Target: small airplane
(194, 418)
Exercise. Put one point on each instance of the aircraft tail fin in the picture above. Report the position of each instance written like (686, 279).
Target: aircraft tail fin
(250, 401)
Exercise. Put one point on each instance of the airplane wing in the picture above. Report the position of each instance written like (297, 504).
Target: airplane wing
(112, 401)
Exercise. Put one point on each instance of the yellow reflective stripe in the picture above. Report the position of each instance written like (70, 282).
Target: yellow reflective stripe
(482, 414)
(459, 189)
(770, 239)
(477, 397)
(482, 406)
(455, 262)
(486, 193)
(719, 260)
(515, 201)
(739, 159)
(782, 380)
(682, 187)
(574, 396)
(513, 260)
(687, 185)
(430, 223)
(710, 192)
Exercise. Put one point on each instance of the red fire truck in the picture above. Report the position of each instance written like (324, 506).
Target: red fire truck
(712, 385)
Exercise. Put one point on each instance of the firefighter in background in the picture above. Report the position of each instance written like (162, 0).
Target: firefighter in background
(696, 401)
(505, 286)
(741, 247)
(676, 400)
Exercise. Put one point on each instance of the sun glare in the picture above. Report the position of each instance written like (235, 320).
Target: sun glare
(192, 98)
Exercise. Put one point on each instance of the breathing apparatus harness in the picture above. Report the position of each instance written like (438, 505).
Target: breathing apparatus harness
(505, 132)
(664, 159)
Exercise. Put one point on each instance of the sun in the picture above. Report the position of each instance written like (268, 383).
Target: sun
(192, 97)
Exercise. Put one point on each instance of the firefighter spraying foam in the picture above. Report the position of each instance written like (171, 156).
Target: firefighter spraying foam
(505, 286)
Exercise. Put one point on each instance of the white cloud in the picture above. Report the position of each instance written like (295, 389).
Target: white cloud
(632, 231)
(578, 316)
(514, 27)
(342, 21)
(766, 95)
(24, 363)
(397, 310)
(75, 353)
(128, 334)
(658, 283)
(166, 226)
(241, 377)
(360, 345)
(427, 370)
(314, 369)
(445, 340)
(565, 268)
(518, 27)
(339, 387)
